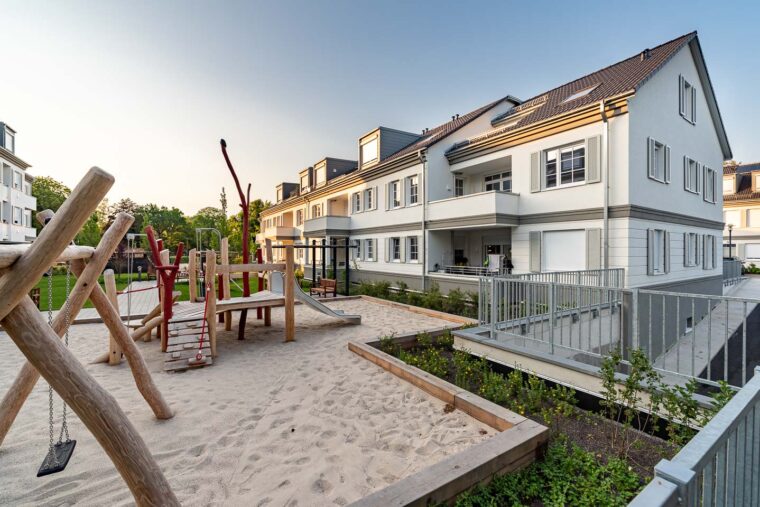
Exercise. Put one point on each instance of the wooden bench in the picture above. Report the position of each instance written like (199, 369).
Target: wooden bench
(326, 286)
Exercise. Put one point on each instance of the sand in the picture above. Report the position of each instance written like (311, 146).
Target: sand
(304, 423)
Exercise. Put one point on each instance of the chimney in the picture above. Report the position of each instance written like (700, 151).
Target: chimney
(646, 54)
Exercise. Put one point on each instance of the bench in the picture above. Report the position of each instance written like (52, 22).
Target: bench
(326, 286)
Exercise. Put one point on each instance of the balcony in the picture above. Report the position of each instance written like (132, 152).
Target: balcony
(327, 226)
(22, 200)
(482, 209)
(10, 233)
(282, 233)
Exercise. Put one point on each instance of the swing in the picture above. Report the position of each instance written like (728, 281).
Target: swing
(59, 453)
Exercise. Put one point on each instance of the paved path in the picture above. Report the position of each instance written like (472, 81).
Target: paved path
(141, 303)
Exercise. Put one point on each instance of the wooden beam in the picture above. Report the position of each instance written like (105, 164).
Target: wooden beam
(140, 370)
(192, 275)
(250, 268)
(225, 262)
(114, 350)
(10, 253)
(57, 234)
(211, 297)
(147, 328)
(164, 256)
(96, 408)
(86, 280)
(290, 313)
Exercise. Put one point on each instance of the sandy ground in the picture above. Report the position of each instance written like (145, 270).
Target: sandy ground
(304, 423)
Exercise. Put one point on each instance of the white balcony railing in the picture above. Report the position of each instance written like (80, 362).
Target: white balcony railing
(488, 206)
(327, 225)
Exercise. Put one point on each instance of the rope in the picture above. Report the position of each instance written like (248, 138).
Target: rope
(130, 291)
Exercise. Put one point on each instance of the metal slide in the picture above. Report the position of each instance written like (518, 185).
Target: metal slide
(278, 284)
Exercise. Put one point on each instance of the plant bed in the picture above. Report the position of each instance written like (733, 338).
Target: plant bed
(599, 441)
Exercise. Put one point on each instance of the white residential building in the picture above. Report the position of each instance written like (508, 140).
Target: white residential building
(16, 202)
(616, 169)
(741, 212)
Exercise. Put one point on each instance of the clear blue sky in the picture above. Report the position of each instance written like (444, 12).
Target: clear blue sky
(146, 89)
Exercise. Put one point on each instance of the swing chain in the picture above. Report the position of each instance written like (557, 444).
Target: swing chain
(67, 313)
(51, 450)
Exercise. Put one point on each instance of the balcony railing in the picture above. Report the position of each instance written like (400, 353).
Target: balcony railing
(732, 271)
(479, 209)
(471, 271)
(328, 225)
(720, 465)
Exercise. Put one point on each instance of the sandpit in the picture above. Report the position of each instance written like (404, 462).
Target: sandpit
(303, 423)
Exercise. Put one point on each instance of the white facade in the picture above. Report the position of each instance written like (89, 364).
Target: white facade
(17, 205)
(617, 205)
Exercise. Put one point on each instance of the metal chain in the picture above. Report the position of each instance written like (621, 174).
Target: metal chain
(51, 449)
(67, 323)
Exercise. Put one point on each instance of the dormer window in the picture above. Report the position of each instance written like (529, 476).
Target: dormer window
(581, 93)
(304, 181)
(320, 175)
(10, 140)
(728, 185)
(279, 195)
(369, 151)
(687, 97)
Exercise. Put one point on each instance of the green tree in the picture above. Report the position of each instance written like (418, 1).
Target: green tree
(210, 218)
(169, 223)
(125, 205)
(50, 194)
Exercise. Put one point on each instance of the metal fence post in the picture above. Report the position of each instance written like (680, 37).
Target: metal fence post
(635, 319)
(682, 477)
(493, 308)
(552, 310)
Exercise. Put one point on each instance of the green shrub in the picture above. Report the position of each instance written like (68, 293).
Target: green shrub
(494, 387)
(389, 346)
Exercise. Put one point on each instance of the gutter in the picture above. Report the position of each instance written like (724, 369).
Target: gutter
(422, 155)
(606, 186)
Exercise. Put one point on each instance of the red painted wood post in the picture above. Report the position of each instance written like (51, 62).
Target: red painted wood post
(168, 275)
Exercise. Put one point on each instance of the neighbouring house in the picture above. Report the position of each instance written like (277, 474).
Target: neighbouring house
(616, 169)
(741, 211)
(17, 205)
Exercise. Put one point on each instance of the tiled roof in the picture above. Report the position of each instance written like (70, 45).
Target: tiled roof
(616, 79)
(432, 136)
(744, 185)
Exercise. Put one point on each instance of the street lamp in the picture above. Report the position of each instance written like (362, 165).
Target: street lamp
(730, 242)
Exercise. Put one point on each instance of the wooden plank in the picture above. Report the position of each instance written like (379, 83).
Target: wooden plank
(180, 354)
(176, 347)
(210, 313)
(10, 253)
(290, 314)
(175, 366)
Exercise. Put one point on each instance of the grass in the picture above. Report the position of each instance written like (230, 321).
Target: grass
(59, 289)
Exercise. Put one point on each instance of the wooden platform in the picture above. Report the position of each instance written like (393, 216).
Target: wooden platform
(185, 310)
(183, 344)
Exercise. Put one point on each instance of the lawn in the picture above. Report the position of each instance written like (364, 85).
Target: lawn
(59, 289)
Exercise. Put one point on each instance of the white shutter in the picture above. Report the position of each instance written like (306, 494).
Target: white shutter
(650, 251)
(388, 196)
(666, 239)
(593, 159)
(374, 197)
(593, 248)
(402, 191)
(535, 172)
(374, 250)
(667, 164)
(650, 157)
(693, 104)
(534, 240)
(681, 98)
(402, 249)
(704, 251)
(685, 249)
(420, 253)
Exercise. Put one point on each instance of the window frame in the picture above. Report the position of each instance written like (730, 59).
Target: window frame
(732, 181)
(712, 184)
(356, 202)
(413, 249)
(659, 252)
(12, 136)
(576, 145)
(317, 171)
(687, 100)
(318, 208)
(652, 146)
(413, 190)
(691, 251)
(368, 199)
(458, 187)
(369, 248)
(299, 217)
(376, 141)
(395, 253)
(499, 178)
(687, 175)
(395, 198)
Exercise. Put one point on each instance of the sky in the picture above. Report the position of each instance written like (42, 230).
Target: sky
(145, 90)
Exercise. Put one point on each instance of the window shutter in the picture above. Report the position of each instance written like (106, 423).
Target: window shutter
(388, 196)
(534, 239)
(535, 172)
(593, 248)
(704, 251)
(420, 253)
(685, 249)
(667, 164)
(593, 159)
(693, 104)
(681, 98)
(374, 198)
(402, 191)
(666, 238)
(387, 249)
(715, 252)
(650, 157)
(374, 249)
(650, 251)
(402, 249)
(686, 172)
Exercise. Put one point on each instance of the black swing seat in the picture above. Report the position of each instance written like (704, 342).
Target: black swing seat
(63, 452)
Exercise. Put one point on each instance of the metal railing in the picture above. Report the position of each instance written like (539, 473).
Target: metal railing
(613, 277)
(473, 271)
(704, 337)
(732, 271)
(720, 465)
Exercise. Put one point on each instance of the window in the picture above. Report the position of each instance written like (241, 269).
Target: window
(580, 94)
(414, 253)
(413, 186)
(395, 249)
(691, 175)
(572, 166)
(10, 141)
(728, 185)
(369, 199)
(458, 187)
(708, 259)
(305, 181)
(501, 182)
(658, 161)
(395, 188)
(279, 194)
(356, 202)
(732, 217)
(688, 101)
(321, 176)
(299, 217)
(691, 249)
(753, 218)
(17, 180)
(16, 215)
(369, 249)
(709, 192)
(316, 211)
(658, 252)
(369, 151)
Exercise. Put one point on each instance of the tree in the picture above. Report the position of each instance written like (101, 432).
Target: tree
(170, 224)
(50, 194)
(125, 205)
(210, 218)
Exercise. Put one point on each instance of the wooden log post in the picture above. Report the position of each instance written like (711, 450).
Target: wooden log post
(163, 297)
(192, 275)
(290, 304)
(86, 280)
(114, 350)
(96, 408)
(211, 294)
(57, 234)
(226, 291)
(146, 329)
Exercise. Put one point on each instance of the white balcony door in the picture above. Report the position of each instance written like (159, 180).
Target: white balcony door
(564, 250)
